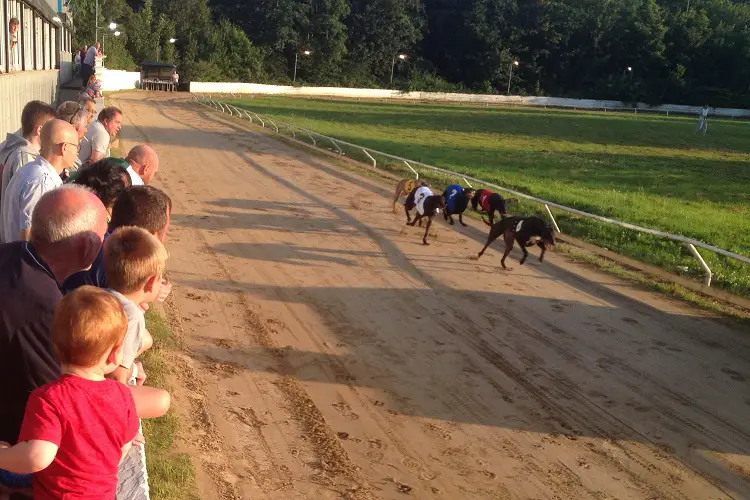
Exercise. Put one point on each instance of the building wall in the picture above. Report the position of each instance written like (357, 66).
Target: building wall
(16, 89)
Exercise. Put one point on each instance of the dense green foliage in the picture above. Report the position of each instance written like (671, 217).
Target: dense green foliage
(680, 51)
(644, 169)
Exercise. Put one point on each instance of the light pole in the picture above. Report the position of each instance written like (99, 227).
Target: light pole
(296, 57)
(104, 37)
(401, 57)
(628, 69)
(514, 63)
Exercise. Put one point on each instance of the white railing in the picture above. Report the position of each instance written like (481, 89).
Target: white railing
(278, 125)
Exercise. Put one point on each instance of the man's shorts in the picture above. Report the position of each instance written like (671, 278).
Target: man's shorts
(15, 481)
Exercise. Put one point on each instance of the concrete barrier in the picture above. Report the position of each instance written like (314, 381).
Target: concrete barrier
(555, 102)
(113, 79)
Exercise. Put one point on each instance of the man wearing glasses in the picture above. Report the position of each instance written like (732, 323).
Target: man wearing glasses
(78, 116)
(59, 147)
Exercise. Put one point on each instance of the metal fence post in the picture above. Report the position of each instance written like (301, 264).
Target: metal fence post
(552, 218)
(374, 163)
(272, 123)
(467, 183)
(707, 274)
(335, 144)
(262, 123)
(416, 174)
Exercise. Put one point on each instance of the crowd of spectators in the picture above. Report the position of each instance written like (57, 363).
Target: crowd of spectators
(81, 258)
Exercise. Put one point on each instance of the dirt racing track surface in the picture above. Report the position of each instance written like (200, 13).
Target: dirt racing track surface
(328, 354)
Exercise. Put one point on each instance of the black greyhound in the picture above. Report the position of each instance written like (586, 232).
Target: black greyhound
(456, 200)
(432, 206)
(527, 231)
(485, 200)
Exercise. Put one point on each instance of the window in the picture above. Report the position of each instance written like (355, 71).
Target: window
(3, 36)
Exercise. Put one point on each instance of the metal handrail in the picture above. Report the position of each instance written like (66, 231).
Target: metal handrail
(676, 237)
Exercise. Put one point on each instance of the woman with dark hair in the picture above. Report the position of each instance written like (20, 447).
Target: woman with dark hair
(106, 178)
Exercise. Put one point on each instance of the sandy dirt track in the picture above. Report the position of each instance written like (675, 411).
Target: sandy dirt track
(328, 354)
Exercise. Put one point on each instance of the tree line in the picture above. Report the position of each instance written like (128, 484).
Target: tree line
(679, 51)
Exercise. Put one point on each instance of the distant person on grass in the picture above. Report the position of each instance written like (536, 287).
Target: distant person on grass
(702, 120)
(99, 135)
(134, 261)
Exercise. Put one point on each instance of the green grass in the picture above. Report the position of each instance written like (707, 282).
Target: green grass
(644, 169)
(171, 474)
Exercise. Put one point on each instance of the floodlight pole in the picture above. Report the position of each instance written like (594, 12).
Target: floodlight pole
(296, 57)
(510, 76)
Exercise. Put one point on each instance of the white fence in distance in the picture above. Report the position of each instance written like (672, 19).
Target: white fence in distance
(278, 126)
(552, 102)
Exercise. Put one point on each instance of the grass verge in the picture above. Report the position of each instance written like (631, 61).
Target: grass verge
(171, 474)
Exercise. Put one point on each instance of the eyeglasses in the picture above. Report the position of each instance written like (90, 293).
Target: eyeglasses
(76, 146)
(76, 112)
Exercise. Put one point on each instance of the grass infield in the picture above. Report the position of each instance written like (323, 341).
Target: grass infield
(646, 169)
(171, 474)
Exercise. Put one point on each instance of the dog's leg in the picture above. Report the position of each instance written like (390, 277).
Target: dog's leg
(525, 252)
(417, 218)
(396, 196)
(490, 239)
(427, 230)
(449, 217)
(461, 219)
(509, 241)
(408, 217)
(544, 249)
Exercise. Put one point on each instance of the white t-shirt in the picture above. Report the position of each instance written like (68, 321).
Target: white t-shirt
(96, 139)
(135, 179)
(420, 196)
(133, 341)
(90, 56)
(704, 112)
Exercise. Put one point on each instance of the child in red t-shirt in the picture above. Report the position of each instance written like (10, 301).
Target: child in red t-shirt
(77, 429)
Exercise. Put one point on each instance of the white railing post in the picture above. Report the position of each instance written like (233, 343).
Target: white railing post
(552, 218)
(312, 138)
(374, 163)
(335, 144)
(416, 174)
(262, 123)
(467, 183)
(707, 274)
(272, 123)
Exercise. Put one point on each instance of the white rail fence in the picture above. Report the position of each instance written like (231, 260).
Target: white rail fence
(316, 139)
(453, 97)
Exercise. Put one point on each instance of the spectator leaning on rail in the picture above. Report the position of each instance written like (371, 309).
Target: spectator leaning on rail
(67, 233)
(20, 149)
(107, 179)
(78, 116)
(141, 206)
(142, 163)
(99, 134)
(58, 151)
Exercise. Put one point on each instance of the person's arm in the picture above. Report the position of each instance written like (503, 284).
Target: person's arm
(147, 342)
(125, 450)
(27, 457)
(121, 374)
(96, 156)
(29, 197)
(150, 402)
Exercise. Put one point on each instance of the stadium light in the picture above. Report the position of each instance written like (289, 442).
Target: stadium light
(400, 57)
(117, 33)
(112, 26)
(510, 76)
(296, 58)
(630, 68)
(172, 40)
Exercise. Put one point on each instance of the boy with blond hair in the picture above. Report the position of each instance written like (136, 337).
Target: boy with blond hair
(134, 263)
(76, 429)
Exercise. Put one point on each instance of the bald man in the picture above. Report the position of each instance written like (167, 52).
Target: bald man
(67, 232)
(142, 163)
(59, 147)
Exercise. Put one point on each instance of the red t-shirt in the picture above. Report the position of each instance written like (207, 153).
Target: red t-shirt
(90, 422)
